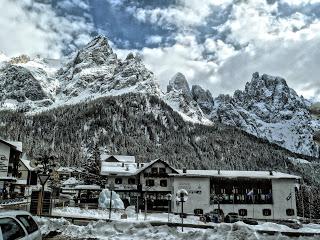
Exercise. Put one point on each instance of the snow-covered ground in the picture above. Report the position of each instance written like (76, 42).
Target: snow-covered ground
(143, 230)
(133, 228)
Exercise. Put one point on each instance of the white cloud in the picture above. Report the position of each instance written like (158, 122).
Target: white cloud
(252, 36)
(34, 28)
(185, 14)
(154, 39)
(187, 59)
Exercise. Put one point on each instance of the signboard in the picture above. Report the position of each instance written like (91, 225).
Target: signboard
(191, 188)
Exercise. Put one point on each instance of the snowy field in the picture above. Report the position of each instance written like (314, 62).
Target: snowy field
(132, 228)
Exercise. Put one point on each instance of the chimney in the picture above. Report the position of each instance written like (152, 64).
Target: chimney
(270, 172)
(218, 171)
(137, 165)
(122, 164)
(184, 170)
(127, 167)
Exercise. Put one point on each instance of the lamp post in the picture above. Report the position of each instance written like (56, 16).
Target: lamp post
(111, 187)
(182, 196)
(169, 197)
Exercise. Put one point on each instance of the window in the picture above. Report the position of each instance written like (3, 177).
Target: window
(290, 212)
(198, 212)
(243, 212)
(162, 170)
(118, 181)
(154, 170)
(163, 183)
(266, 212)
(11, 230)
(150, 182)
(28, 222)
(131, 181)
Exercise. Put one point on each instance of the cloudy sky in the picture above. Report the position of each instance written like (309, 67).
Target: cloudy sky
(215, 43)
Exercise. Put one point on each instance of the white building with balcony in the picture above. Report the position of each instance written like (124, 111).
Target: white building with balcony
(251, 194)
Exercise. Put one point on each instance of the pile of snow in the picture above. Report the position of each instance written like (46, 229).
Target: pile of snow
(48, 225)
(144, 230)
(71, 181)
(104, 200)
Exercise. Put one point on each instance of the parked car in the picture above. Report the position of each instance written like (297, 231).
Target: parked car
(18, 225)
(232, 217)
(249, 221)
(291, 223)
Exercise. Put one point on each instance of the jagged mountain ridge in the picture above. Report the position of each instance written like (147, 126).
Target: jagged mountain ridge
(266, 108)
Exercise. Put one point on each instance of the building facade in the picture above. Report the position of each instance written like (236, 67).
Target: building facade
(251, 194)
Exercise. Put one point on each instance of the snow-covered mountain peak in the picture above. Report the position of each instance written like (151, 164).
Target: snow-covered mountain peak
(270, 98)
(179, 83)
(270, 109)
(180, 98)
(267, 107)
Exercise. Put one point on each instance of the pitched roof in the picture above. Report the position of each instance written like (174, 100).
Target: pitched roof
(146, 165)
(27, 164)
(16, 145)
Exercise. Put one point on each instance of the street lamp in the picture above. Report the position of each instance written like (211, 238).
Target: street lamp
(169, 197)
(182, 196)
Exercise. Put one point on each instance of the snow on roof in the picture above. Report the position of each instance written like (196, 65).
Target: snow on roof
(236, 174)
(121, 158)
(146, 165)
(27, 163)
(71, 181)
(69, 169)
(18, 145)
(87, 187)
(108, 168)
(120, 168)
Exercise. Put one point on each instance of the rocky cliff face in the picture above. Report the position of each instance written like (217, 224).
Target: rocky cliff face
(181, 99)
(266, 108)
(18, 86)
(269, 109)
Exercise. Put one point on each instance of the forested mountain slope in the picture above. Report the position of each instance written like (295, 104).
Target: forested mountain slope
(141, 125)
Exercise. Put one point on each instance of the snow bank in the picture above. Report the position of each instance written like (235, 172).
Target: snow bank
(143, 230)
(48, 225)
(104, 200)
